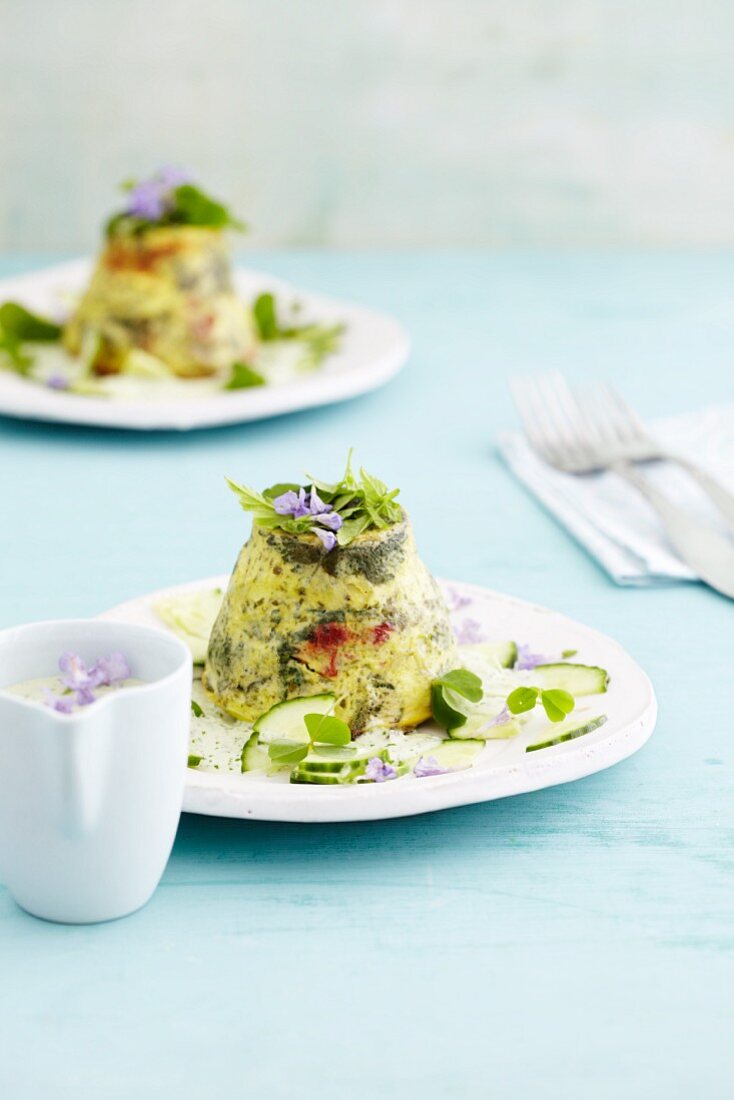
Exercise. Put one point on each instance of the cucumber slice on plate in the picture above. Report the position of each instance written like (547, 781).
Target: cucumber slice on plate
(455, 755)
(569, 732)
(478, 727)
(286, 719)
(254, 757)
(312, 770)
(576, 679)
(502, 654)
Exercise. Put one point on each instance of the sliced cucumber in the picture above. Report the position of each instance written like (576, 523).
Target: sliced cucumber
(254, 757)
(286, 719)
(191, 616)
(478, 727)
(455, 755)
(502, 654)
(577, 679)
(312, 771)
(568, 733)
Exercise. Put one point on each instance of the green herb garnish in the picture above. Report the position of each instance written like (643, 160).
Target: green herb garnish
(323, 730)
(557, 704)
(243, 377)
(194, 760)
(169, 199)
(196, 709)
(318, 340)
(361, 502)
(448, 693)
(17, 321)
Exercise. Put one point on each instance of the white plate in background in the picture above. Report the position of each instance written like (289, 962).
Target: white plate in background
(373, 348)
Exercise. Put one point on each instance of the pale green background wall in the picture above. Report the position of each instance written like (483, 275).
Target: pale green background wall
(377, 122)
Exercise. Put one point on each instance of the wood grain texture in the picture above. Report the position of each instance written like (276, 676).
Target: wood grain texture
(574, 942)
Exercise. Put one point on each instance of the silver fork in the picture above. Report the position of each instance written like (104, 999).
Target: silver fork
(629, 441)
(574, 435)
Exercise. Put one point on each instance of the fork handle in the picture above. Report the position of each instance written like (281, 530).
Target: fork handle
(723, 499)
(709, 554)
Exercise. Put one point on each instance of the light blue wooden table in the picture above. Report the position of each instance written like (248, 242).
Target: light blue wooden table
(574, 942)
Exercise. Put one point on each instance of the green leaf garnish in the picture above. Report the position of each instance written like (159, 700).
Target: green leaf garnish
(194, 760)
(243, 377)
(17, 321)
(324, 729)
(263, 311)
(196, 709)
(557, 704)
(569, 653)
(363, 503)
(191, 206)
(318, 340)
(447, 695)
(522, 699)
(285, 751)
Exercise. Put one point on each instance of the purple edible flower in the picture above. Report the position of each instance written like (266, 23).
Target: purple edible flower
(151, 198)
(528, 660)
(62, 704)
(146, 200)
(85, 696)
(469, 632)
(327, 538)
(316, 505)
(110, 670)
(378, 771)
(332, 520)
(429, 765)
(455, 600)
(292, 504)
(57, 382)
(74, 673)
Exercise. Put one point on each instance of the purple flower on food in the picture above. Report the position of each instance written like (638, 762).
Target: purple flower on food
(527, 660)
(469, 632)
(428, 765)
(151, 198)
(146, 200)
(327, 538)
(85, 696)
(171, 176)
(378, 771)
(110, 670)
(292, 504)
(316, 505)
(74, 672)
(62, 704)
(332, 520)
(57, 382)
(501, 719)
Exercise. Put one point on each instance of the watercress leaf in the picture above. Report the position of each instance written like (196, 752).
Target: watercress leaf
(351, 528)
(253, 501)
(18, 360)
(464, 683)
(285, 751)
(263, 310)
(196, 709)
(17, 321)
(446, 715)
(557, 704)
(522, 699)
(193, 207)
(279, 488)
(244, 377)
(324, 729)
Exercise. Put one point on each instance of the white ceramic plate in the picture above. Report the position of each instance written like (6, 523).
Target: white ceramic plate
(502, 769)
(374, 348)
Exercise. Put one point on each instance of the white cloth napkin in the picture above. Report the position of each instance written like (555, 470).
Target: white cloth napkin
(611, 519)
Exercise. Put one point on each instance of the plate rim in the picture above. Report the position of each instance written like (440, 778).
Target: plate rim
(24, 401)
(217, 795)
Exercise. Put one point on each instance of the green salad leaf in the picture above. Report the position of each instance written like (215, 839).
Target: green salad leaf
(17, 321)
(556, 703)
(243, 377)
(448, 693)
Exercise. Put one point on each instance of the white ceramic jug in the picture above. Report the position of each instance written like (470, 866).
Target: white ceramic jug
(90, 801)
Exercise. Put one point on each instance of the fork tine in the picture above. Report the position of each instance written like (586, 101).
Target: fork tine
(525, 396)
